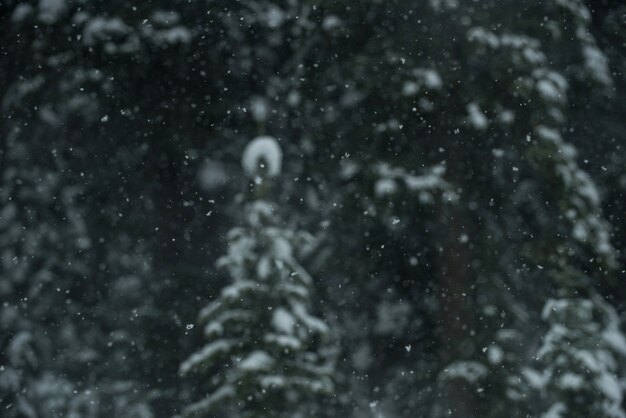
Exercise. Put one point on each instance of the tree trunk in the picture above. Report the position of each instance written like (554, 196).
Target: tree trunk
(456, 310)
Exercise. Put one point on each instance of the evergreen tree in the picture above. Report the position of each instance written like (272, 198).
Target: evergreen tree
(263, 353)
(581, 357)
(457, 158)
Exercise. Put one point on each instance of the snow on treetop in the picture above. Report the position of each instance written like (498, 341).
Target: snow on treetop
(262, 156)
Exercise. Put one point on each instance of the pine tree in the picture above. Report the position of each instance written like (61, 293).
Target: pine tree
(262, 357)
(43, 242)
(580, 358)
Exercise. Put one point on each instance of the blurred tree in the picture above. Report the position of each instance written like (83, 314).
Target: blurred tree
(263, 353)
(445, 154)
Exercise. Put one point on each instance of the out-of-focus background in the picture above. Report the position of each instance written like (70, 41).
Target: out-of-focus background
(311, 208)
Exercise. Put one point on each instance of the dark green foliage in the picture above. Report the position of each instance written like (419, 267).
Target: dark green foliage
(461, 165)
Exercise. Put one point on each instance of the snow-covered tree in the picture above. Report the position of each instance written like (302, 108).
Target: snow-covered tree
(580, 360)
(263, 355)
(455, 160)
(43, 245)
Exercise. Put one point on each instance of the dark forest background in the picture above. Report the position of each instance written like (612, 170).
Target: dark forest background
(454, 169)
